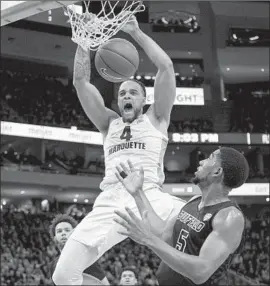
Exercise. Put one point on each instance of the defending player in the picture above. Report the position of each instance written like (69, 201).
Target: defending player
(208, 231)
(140, 137)
(60, 230)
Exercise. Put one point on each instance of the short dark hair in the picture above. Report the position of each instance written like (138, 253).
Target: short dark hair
(130, 268)
(61, 218)
(140, 84)
(235, 167)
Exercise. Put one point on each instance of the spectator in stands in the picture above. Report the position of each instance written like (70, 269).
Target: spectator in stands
(60, 230)
(246, 107)
(128, 276)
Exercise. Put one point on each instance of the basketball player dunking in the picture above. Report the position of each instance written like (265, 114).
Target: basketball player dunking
(60, 229)
(199, 243)
(142, 138)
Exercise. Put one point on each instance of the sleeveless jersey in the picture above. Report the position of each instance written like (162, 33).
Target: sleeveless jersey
(191, 229)
(141, 143)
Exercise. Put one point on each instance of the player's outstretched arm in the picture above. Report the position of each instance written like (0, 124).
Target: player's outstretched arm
(165, 84)
(89, 96)
(132, 180)
(228, 226)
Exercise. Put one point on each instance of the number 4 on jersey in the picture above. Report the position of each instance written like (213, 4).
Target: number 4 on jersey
(126, 134)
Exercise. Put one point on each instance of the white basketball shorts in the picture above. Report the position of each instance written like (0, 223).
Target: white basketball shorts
(98, 229)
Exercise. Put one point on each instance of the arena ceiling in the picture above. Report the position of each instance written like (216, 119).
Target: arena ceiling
(236, 64)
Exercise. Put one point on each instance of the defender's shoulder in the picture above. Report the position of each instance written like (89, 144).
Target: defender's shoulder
(229, 218)
(194, 198)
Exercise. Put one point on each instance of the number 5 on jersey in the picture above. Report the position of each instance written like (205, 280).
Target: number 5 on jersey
(182, 240)
(126, 134)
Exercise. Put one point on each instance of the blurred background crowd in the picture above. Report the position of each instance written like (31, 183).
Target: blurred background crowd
(62, 158)
(27, 250)
(52, 101)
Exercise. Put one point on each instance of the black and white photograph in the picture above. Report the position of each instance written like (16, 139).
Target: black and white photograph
(135, 143)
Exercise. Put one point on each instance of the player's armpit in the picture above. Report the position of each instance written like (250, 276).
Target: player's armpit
(228, 227)
(94, 107)
(164, 93)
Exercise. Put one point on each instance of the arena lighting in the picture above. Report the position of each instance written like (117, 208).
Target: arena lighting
(234, 36)
(86, 200)
(188, 20)
(227, 69)
(4, 202)
(138, 77)
(76, 196)
(164, 21)
(22, 192)
(147, 77)
(262, 70)
(45, 205)
(267, 199)
(75, 200)
(44, 202)
(248, 139)
(50, 15)
(254, 38)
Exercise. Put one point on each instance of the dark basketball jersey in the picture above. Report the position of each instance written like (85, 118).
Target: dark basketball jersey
(93, 270)
(191, 229)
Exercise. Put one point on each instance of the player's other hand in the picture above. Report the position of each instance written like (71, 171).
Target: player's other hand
(131, 26)
(132, 179)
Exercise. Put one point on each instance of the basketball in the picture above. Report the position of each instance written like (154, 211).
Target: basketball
(117, 60)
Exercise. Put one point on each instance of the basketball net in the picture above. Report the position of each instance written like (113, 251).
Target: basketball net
(91, 30)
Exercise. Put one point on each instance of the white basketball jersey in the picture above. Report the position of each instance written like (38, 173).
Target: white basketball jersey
(141, 143)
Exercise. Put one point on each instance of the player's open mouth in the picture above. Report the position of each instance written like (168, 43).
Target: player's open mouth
(128, 107)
